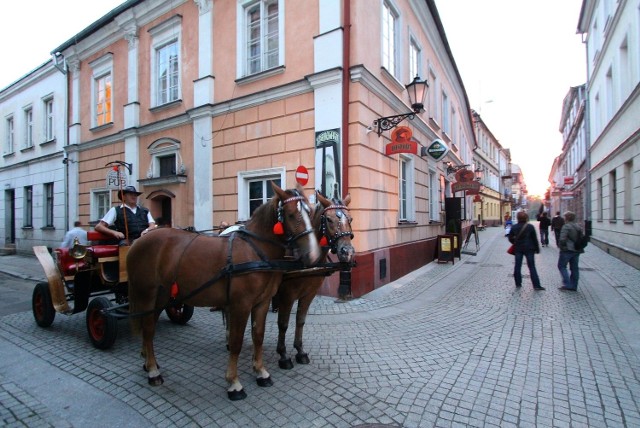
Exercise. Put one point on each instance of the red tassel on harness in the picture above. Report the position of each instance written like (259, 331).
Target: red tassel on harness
(174, 290)
(278, 228)
(323, 241)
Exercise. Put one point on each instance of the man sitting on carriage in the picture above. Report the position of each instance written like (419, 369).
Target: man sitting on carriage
(138, 220)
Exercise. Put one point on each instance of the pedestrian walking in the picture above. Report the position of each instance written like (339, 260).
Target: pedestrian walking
(545, 222)
(525, 240)
(556, 224)
(569, 254)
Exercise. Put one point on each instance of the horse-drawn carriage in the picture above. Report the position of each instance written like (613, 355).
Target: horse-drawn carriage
(175, 270)
(88, 278)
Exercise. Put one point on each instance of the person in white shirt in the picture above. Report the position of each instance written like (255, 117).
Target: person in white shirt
(72, 234)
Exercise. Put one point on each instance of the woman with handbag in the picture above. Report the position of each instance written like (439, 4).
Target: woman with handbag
(525, 242)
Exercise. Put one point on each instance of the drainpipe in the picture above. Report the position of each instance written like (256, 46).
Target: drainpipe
(346, 53)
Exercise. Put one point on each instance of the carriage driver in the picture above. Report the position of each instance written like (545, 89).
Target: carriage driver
(138, 221)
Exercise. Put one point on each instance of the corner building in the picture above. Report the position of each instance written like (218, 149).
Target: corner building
(210, 100)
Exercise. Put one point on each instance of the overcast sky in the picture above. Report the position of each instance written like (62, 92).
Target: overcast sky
(517, 59)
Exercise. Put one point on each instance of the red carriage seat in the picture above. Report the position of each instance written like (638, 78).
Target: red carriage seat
(68, 264)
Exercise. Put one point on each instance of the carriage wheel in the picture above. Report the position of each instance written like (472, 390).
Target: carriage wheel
(41, 305)
(180, 314)
(102, 328)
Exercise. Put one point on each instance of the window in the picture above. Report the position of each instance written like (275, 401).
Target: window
(433, 97)
(446, 123)
(28, 127)
(48, 120)
(434, 206)
(102, 90)
(48, 204)
(599, 197)
(262, 35)
(100, 203)
(167, 72)
(254, 189)
(389, 36)
(167, 165)
(628, 190)
(613, 199)
(27, 221)
(405, 191)
(165, 61)
(9, 136)
(414, 60)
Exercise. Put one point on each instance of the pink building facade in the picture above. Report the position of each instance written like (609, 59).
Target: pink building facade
(210, 100)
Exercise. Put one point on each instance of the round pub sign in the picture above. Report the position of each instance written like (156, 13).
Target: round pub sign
(437, 149)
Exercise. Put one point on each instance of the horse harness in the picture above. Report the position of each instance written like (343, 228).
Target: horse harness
(332, 239)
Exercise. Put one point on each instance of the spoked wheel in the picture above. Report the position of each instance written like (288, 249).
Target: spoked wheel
(41, 305)
(180, 314)
(102, 328)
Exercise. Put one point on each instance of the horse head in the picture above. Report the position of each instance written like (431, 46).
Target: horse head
(335, 227)
(294, 215)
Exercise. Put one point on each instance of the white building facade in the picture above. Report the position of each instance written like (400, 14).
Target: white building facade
(33, 176)
(611, 30)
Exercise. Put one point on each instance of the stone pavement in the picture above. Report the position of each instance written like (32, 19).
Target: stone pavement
(448, 345)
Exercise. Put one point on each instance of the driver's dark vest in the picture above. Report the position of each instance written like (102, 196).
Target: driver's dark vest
(136, 223)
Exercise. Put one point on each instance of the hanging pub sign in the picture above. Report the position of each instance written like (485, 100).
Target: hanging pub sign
(401, 142)
(116, 179)
(466, 182)
(437, 149)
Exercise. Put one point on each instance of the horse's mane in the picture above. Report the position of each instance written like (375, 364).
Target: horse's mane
(265, 216)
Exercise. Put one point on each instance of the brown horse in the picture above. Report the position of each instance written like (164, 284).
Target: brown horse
(240, 272)
(333, 224)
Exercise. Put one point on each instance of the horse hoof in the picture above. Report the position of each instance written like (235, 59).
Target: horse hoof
(237, 395)
(285, 364)
(302, 359)
(156, 381)
(264, 381)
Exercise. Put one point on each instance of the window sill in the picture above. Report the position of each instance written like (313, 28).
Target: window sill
(46, 143)
(101, 127)
(407, 223)
(166, 106)
(628, 222)
(47, 228)
(260, 75)
(27, 227)
(26, 149)
(160, 181)
(434, 122)
(613, 221)
(8, 155)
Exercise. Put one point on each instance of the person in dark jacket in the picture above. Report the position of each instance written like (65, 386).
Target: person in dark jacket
(545, 222)
(138, 219)
(568, 253)
(556, 224)
(524, 237)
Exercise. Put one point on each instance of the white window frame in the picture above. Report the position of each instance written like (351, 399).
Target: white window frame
(408, 178)
(48, 216)
(390, 43)
(433, 96)
(101, 69)
(162, 148)
(10, 134)
(245, 177)
(446, 118)
(49, 116)
(163, 35)
(97, 194)
(434, 191)
(415, 59)
(27, 220)
(243, 36)
(28, 127)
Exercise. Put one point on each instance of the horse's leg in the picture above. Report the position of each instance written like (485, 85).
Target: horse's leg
(236, 325)
(301, 315)
(150, 364)
(258, 321)
(284, 314)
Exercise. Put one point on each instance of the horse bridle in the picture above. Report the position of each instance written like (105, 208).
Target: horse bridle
(302, 204)
(332, 240)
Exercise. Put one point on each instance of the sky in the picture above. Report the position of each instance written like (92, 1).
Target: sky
(517, 60)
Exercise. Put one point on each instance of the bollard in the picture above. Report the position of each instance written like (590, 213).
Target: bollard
(344, 289)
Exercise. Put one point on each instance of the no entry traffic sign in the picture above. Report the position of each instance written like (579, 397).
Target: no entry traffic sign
(302, 175)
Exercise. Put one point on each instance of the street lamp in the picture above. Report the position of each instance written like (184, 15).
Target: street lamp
(417, 90)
